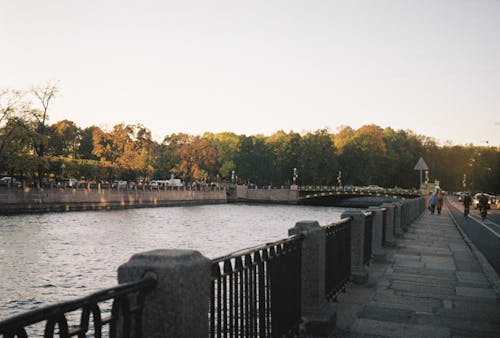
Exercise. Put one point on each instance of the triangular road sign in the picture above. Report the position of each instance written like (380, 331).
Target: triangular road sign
(421, 165)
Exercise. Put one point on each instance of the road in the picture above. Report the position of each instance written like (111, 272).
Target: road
(485, 235)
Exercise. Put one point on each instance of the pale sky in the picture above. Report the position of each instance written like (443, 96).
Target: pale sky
(255, 67)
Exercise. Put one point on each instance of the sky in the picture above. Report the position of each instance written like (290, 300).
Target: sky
(256, 67)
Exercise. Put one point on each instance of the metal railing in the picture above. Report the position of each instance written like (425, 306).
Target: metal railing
(367, 252)
(337, 257)
(125, 307)
(256, 292)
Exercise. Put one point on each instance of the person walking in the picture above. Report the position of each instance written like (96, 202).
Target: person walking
(467, 201)
(432, 203)
(439, 201)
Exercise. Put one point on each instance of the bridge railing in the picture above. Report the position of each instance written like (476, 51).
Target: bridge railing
(257, 292)
(338, 257)
(123, 320)
(272, 290)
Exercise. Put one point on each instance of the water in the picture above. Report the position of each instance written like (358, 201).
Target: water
(54, 257)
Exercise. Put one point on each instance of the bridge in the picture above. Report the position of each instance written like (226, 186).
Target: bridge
(351, 196)
(348, 196)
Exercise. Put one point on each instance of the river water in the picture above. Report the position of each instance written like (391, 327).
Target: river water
(53, 257)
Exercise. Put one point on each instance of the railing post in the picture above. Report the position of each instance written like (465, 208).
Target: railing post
(359, 272)
(398, 230)
(389, 225)
(318, 314)
(377, 230)
(178, 306)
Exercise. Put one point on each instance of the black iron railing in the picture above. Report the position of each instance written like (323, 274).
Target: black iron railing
(256, 292)
(337, 257)
(124, 319)
(367, 252)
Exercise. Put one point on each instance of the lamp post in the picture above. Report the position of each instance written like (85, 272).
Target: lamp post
(62, 169)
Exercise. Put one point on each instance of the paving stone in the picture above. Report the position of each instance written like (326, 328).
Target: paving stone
(419, 289)
(467, 265)
(389, 329)
(409, 264)
(438, 266)
(425, 272)
(424, 279)
(386, 314)
(437, 259)
(475, 292)
(476, 328)
(489, 312)
(387, 298)
(458, 247)
(479, 312)
(472, 278)
(400, 257)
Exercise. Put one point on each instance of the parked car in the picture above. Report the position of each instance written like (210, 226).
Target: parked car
(8, 181)
(461, 195)
(491, 200)
(374, 188)
(69, 183)
(119, 184)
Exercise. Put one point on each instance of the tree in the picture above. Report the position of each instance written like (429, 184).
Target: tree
(197, 158)
(318, 160)
(44, 94)
(286, 150)
(125, 150)
(64, 139)
(227, 145)
(362, 156)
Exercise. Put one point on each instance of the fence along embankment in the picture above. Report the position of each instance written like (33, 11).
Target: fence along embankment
(280, 288)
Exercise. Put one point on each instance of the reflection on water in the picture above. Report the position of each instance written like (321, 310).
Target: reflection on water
(53, 257)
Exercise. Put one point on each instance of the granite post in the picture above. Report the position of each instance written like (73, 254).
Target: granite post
(359, 271)
(377, 232)
(178, 306)
(389, 240)
(319, 316)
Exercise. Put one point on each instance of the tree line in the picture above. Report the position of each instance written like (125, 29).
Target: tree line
(34, 150)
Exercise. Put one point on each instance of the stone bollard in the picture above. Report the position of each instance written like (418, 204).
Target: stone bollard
(398, 230)
(178, 306)
(359, 272)
(377, 233)
(389, 241)
(318, 314)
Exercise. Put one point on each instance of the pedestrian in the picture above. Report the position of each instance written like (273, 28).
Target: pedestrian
(439, 201)
(467, 201)
(432, 203)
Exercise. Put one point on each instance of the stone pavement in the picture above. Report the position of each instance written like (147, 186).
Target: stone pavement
(430, 285)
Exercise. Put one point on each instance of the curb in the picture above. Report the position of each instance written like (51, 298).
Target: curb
(490, 273)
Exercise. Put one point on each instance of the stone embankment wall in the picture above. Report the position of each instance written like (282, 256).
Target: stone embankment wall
(283, 196)
(16, 201)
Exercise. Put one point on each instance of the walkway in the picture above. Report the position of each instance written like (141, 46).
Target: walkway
(430, 285)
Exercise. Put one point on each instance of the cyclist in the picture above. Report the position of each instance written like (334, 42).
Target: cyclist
(467, 201)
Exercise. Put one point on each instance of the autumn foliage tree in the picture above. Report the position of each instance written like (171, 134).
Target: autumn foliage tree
(32, 148)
